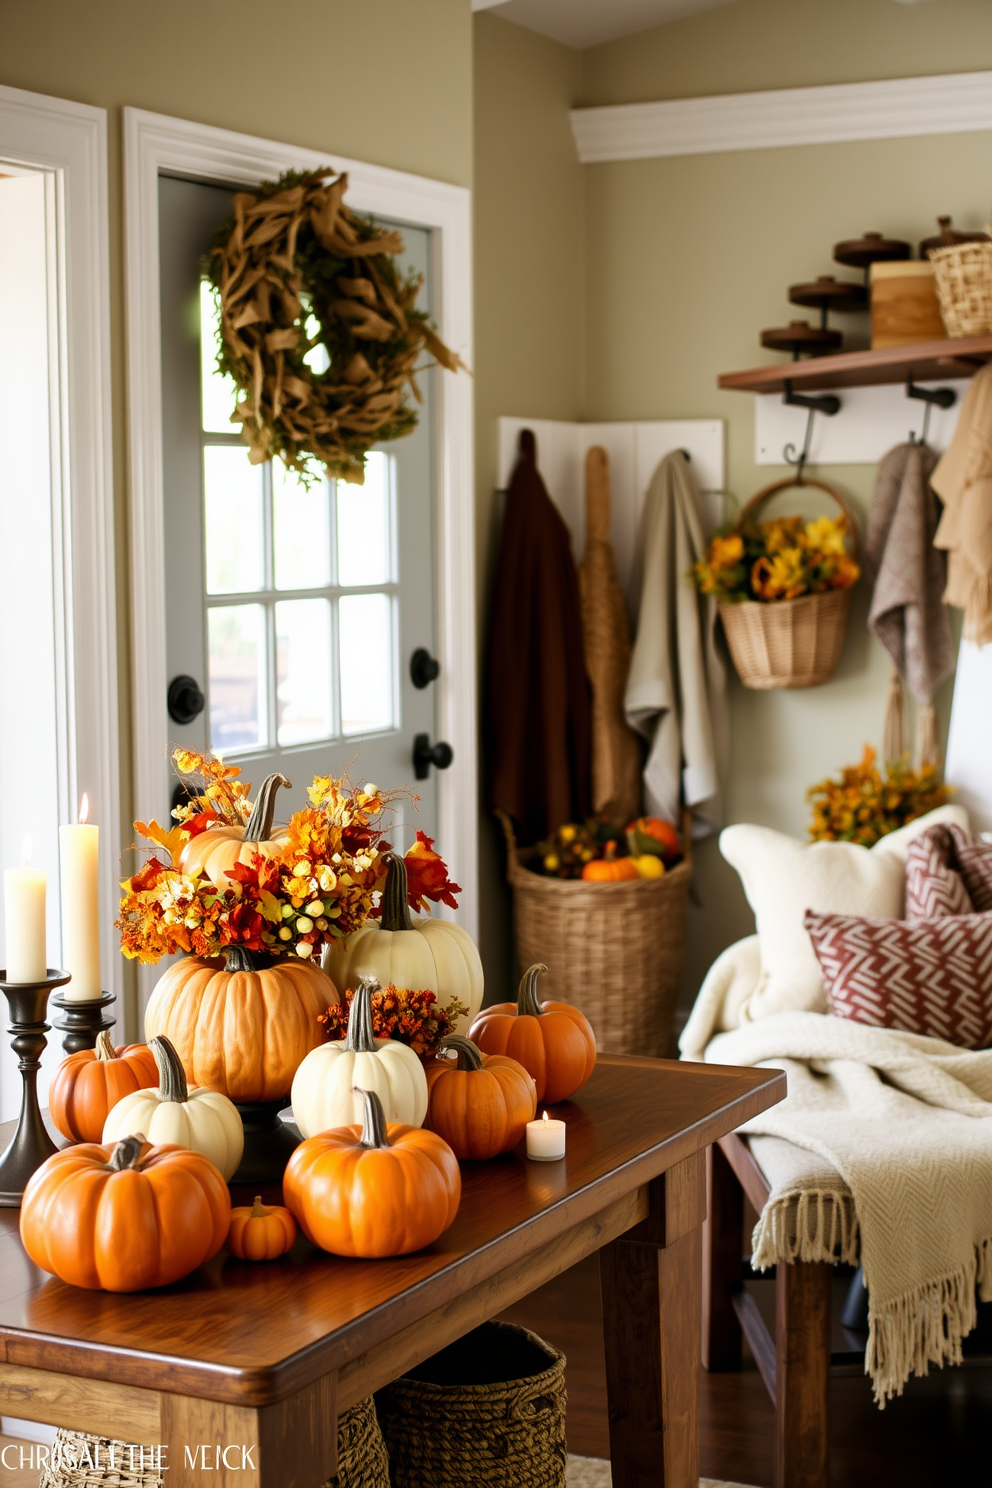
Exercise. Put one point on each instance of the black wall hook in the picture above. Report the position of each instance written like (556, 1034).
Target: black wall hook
(825, 403)
(944, 397)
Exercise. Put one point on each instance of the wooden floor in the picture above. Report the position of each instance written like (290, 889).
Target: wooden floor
(937, 1435)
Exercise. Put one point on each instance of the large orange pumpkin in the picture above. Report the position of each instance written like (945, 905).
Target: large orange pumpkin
(552, 1040)
(87, 1085)
(126, 1216)
(373, 1190)
(239, 1029)
(220, 847)
(480, 1104)
(262, 1232)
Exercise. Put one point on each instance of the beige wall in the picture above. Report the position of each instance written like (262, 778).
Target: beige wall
(529, 307)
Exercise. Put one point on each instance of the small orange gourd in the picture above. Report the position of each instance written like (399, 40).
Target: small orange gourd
(481, 1103)
(261, 1232)
(373, 1190)
(88, 1084)
(610, 868)
(552, 1040)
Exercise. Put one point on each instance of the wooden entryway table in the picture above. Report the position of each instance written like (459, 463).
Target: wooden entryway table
(259, 1359)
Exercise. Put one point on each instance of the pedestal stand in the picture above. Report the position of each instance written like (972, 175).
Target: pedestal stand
(82, 1021)
(27, 1004)
(269, 1142)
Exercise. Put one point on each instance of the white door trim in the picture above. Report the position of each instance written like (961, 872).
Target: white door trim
(156, 144)
(952, 103)
(69, 140)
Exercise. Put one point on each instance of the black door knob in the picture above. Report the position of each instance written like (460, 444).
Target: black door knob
(424, 668)
(185, 699)
(426, 754)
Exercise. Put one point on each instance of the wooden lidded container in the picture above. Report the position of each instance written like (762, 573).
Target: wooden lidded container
(904, 305)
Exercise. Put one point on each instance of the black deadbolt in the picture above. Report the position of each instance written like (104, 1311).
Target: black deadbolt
(426, 754)
(424, 668)
(185, 699)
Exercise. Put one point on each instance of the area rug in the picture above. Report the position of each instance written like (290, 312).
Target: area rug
(592, 1472)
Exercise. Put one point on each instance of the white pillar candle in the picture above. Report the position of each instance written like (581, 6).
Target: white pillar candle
(79, 853)
(24, 920)
(545, 1140)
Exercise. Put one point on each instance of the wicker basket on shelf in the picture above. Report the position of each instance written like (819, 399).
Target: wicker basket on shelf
(964, 287)
(613, 950)
(789, 643)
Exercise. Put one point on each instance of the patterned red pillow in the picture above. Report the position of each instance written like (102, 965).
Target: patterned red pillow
(933, 977)
(934, 885)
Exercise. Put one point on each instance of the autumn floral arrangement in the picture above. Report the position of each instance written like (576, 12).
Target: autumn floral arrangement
(220, 877)
(783, 558)
(864, 805)
(413, 1017)
(599, 849)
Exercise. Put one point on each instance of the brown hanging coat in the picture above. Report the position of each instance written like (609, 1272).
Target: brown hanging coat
(538, 712)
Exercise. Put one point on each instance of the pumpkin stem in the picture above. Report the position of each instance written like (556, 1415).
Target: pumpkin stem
(258, 1209)
(469, 1056)
(373, 1119)
(171, 1075)
(104, 1047)
(527, 1003)
(237, 958)
(395, 904)
(260, 822)
(360, 1038)
(126, 1153)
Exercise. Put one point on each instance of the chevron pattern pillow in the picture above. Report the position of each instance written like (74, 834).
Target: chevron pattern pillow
(933, 977)
(948, 872)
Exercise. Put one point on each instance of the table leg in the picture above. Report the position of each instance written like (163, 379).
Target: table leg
(652, 1319)
(723, 1248)
(289, 1445)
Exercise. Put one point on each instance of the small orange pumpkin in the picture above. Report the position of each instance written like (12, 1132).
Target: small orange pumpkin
(373, 1190)
(125, 1216)
(261, 1233)
(552, 1040)
(481, 1103)
(88, 1084)
(610, 868)
(221, 847)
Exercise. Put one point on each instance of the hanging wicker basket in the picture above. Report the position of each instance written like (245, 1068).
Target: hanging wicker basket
(613, 950)
(486, 1412)
(964, 287)
(789, 643)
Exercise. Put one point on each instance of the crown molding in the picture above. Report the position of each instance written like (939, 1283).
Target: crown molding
(953, 103)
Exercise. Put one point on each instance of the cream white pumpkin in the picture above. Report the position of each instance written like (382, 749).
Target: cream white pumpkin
(204, 1121)
(413, 954)
(328, 1084)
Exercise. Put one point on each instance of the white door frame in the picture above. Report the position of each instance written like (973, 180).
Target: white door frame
(68, 141)
(155, 144)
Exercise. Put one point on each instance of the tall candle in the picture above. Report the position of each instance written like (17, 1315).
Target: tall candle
(24, 920)
(79, 853)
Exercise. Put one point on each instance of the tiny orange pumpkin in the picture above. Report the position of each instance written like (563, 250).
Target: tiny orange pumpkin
(260, 1232)
(552, 1040)
(609, 868)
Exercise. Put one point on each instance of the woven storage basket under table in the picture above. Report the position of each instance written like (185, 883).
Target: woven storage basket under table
(789, 643)
(362, 1460)
(613, 950)
(964, 287)
(488, 1411)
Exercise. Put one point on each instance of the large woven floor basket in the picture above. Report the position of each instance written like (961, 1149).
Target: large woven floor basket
(486, 1412)
(79, 1460)
(613, 950)
(789, 643)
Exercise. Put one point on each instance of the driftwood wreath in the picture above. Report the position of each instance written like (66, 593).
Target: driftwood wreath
(297, 269)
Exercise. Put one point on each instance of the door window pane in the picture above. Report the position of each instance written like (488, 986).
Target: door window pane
(236, 639)
(218, 392)
(364, 520)
(303, 665)
(366, 662)
(301, 536)
(233, 509)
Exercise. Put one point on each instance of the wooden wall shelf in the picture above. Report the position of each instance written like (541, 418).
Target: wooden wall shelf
(928, 362)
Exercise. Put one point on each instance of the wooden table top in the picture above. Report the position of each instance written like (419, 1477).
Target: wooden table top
(254, 1333)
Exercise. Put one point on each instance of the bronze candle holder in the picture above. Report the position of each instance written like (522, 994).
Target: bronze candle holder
(81, 1022)
(27, 1004)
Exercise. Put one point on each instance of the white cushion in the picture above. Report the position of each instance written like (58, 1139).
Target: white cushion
(783, 878)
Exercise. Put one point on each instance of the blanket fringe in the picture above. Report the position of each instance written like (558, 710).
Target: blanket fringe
(807, 1224)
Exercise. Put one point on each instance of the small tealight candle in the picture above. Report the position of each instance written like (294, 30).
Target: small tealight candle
(545, 1140)
(24, 903)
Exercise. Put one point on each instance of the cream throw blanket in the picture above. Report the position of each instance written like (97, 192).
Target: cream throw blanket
(907, 1122)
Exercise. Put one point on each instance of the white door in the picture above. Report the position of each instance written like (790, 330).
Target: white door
(301, 623)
